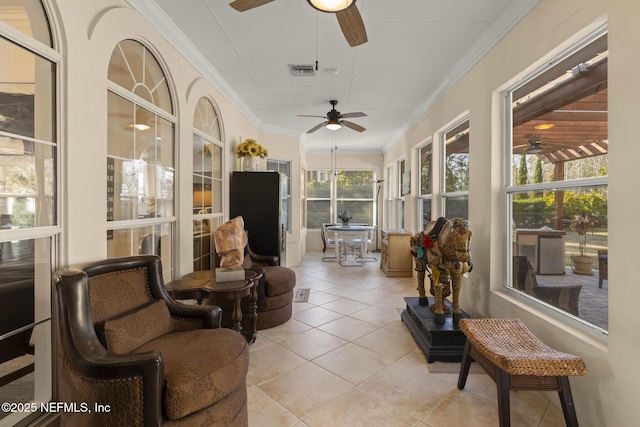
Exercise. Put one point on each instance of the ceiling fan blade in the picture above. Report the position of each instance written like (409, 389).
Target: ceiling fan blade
(352, 125)
(553, 144)
(242, 5)
(316, 127)
(352, 26)
(352, 115)
(306, 115)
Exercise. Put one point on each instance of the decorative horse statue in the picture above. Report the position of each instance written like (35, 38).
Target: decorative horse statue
(442, 249)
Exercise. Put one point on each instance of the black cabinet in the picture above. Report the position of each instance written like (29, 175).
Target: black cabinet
(258, 198)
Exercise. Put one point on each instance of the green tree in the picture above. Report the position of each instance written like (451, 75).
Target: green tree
(537, 176)
(522, 176)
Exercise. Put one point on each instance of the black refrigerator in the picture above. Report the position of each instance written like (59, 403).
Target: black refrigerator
(258, 198)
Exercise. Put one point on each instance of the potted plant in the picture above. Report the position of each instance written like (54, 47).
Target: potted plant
(583, 263)
(345, 216)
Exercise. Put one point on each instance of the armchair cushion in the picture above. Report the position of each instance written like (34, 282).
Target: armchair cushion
(128, 332)
(201, 367)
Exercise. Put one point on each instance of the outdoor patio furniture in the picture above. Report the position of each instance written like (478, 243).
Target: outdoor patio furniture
(603, 266)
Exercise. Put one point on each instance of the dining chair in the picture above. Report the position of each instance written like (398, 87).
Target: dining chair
(353, 242)
(328, 238)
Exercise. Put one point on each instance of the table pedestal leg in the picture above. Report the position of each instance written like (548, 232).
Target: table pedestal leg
(237, 315)
(253, 314)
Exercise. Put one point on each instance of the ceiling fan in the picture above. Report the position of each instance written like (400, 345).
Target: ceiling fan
(346, 11)
(334, 120)
(534, 145)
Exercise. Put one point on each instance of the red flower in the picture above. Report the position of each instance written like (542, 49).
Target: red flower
(427, 242)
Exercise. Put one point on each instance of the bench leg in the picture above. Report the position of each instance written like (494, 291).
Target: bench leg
(504, 404)
(464, 366)
(566, 399)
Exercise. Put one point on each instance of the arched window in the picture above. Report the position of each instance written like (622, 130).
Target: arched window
(29, 230)
(140, 156)
(207, 182)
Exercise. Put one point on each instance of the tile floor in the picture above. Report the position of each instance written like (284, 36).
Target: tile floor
(346, 359)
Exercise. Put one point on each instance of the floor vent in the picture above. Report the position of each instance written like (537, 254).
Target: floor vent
(302, 70)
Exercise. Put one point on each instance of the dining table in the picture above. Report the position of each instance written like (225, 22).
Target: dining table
(348, 234)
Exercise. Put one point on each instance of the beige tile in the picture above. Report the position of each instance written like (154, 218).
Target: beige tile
(397, 326)
(306, 389)
(391, 384)
(265, 412)
(358, 382)
(348, 328)
(530, 403)
(312, 343)
(354, 364)
(388, 344)
(553, 417)
(287, 329)
(317, 316)
(317, 297)
(343, 290)
(271, 361)
(345, 306)
(357, 409)
(376, 315)
(301, 306)
(460, 407)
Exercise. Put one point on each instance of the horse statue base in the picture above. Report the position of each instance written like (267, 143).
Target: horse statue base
(439, 341)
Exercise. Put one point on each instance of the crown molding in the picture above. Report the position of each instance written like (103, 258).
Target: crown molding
(507, 20)
(176, 38)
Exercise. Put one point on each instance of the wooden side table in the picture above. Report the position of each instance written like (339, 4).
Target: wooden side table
(188, 289)
(233, 291)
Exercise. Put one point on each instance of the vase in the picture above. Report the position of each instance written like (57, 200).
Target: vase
(250, 163)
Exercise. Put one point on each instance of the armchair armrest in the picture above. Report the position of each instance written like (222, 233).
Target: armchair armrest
(211, 315)
(261, 259)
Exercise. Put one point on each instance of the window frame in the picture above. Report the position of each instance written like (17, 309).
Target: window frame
(450, 195)
(334, 200)
(422, 198)
(511, 189)
(137, 226)
(205, 222)
(46, 240)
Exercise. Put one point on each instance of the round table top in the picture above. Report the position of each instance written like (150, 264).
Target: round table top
(187, 284)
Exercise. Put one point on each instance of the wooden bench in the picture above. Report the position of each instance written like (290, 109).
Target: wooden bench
(516, 360)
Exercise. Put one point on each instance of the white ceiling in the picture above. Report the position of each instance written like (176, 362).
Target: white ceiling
(417, 50)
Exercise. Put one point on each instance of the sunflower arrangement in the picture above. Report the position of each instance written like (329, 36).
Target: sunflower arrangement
(250, 147)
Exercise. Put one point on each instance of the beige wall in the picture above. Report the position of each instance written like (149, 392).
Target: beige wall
(91, 31)
(606, 396)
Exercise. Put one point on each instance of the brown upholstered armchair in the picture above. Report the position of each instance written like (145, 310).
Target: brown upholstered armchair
(124, 342)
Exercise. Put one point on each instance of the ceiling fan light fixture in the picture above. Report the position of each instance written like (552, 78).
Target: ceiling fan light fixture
(544, 126)
(333, 125)
(533, 149)
(139, 126)
(331, 6)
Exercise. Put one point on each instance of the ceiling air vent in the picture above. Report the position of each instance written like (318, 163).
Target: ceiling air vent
(302, 70)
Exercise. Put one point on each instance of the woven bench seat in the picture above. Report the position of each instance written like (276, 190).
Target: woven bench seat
(517, 360)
